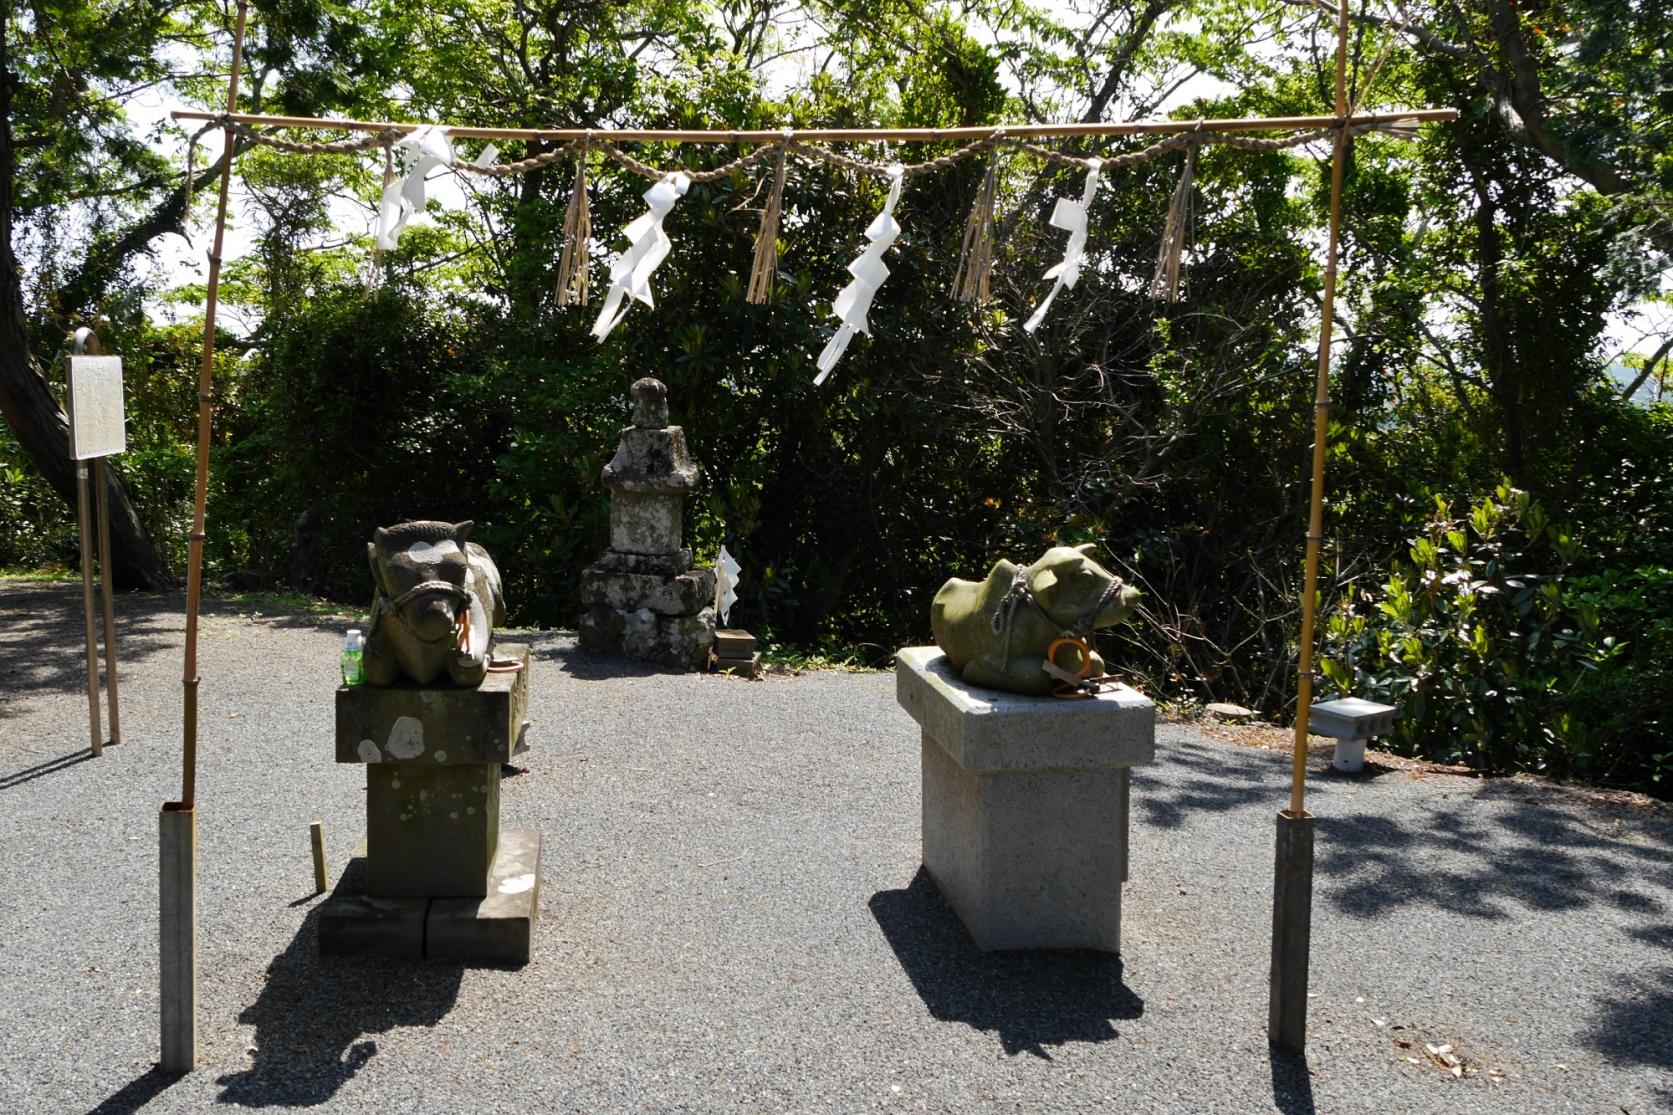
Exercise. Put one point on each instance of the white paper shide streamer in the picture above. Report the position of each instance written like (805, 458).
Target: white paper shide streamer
(419, 152)
(726, 583)
(630, 274)
(1071, 216)
(869, 271)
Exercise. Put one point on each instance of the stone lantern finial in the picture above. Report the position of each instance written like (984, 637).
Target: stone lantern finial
(650, 404)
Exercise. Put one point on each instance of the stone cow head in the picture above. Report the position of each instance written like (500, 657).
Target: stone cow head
(1070, 586)
(424, 571)
(437, 603)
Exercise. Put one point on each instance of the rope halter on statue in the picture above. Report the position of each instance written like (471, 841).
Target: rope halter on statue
(1004, 618)
(460, 635)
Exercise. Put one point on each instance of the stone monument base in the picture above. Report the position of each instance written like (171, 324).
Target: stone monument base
(495, 929)
(1025, 804)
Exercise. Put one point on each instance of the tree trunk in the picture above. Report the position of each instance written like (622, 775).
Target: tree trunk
(41, 427)
(1497, 359)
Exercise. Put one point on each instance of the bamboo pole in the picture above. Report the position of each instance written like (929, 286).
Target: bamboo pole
(102, 505)
(858, 135)
(1321, 427)
(206, 411)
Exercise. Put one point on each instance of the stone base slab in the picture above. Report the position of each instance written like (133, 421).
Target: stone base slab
(498, 927)
(1027, 859)
(495, 929)
(662, 565)
(744, 667)
(1025, 804)
(679, 641)
(685, 594)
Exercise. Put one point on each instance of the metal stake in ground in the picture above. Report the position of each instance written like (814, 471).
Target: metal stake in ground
(179, 819)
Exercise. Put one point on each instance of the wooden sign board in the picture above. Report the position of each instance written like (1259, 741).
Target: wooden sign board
(98, 427)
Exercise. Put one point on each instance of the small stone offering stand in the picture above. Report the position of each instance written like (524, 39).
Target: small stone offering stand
(436, 877)
(644, 599)
(1025, 804)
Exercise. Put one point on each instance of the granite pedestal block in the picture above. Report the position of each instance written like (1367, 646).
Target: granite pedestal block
(435, 876)
(497, 928)
(1025, 804)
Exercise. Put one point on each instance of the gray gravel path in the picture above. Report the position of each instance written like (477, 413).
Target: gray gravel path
(733, 919)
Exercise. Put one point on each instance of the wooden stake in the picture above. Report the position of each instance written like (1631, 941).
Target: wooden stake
(206, 411)
(854, 135)
(316, 833)
(84, 519)
(103, 505)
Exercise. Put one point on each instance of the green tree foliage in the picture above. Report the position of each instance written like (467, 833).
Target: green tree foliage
(1481, 267)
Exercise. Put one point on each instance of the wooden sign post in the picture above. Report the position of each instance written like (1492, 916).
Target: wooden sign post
(98, 428)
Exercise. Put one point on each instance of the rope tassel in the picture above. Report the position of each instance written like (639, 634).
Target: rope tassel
(1164, 287)
(764, 270)
(577, 230)
(970, 281)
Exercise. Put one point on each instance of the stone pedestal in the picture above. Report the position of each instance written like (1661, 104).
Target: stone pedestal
(643, 598)
(1025, 804)
(435, 876)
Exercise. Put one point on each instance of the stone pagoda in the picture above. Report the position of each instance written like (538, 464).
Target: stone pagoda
(644, 598)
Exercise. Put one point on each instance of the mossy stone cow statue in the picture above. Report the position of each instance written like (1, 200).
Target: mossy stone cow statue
(437, 603)
(997, 631)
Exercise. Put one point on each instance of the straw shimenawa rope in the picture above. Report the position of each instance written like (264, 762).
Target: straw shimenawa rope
(976, 252)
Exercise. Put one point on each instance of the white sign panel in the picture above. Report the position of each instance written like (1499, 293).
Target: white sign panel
(98, 427)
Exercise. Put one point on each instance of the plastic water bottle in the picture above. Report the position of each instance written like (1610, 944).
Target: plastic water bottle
(354, 672)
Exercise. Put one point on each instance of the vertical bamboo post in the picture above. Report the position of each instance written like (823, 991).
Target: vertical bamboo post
(178, 824)
(1292, 888)
(206, 412)
(1321, 428)
(103, 511)
(84, 521)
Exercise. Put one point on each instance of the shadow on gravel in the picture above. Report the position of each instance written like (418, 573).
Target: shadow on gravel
(1215, 781)
(41, 770)
(42, 637)
(1028, 999)
(1483, 854)
(1633, 1026)
(138, 1092)
(314, 1017)
(1292, 1086)
(588, 666)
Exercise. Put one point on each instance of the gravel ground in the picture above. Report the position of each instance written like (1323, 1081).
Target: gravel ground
(732, 915)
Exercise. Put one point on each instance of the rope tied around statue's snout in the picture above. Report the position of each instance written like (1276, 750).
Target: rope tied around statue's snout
(1079, 683)
(460, 635)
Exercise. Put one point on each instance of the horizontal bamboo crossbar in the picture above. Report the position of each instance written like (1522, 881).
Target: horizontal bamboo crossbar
(833, 135)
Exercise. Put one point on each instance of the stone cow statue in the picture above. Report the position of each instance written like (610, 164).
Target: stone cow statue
(437, 602)
(997, 631)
